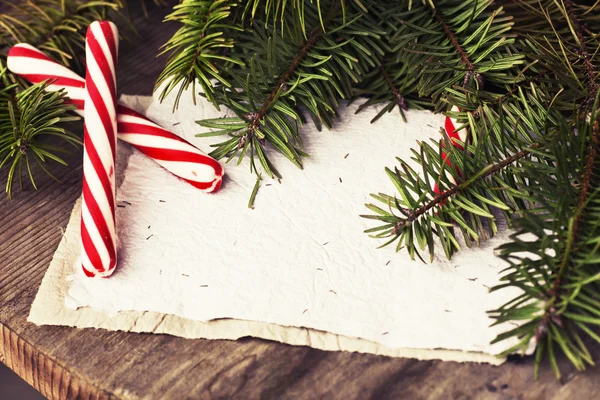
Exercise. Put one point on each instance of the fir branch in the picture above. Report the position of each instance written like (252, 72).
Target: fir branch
(556, 312)
(194, 48)
(441, 199)
(487, 113)
(400, 100)
(591, 160)
(557, 271)
(278, 11)
(392, 83)
(559, 49)
(464, 57)
(583, 198)
(471, 187)
(32, 115)
(451, 42)
(506, 130)
(583, 50)
(284, 72)
(255, 118)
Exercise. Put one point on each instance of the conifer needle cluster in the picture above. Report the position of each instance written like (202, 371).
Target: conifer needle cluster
(524, 75)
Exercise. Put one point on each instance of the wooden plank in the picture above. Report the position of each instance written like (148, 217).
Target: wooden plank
(95, 364)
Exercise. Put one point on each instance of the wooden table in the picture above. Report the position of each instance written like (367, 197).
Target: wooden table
(70, 363)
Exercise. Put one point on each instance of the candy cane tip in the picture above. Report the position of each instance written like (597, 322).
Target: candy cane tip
(99, 25)
(215, 185)
(218, 183)
(87, 273)
(22, 55)
(97, 274)
(102, 23)
(17, 50)
(10, 62)
(18, 46)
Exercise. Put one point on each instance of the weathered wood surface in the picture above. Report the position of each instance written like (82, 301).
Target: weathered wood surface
(95, 364)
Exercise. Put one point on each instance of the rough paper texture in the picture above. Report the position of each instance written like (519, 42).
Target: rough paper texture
(298, 260)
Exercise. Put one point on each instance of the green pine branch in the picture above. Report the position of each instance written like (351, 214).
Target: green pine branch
(26, 119)
(284, 13)
(472, 191)
(392, 84)
(524, 76)
(557, 271)
(538, 130)
(452, 42)
(197, 48)
(286, 72)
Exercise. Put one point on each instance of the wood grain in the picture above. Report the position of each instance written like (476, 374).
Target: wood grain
(65, 363)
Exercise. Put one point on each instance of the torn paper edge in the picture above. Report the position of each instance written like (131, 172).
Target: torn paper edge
(49, 309)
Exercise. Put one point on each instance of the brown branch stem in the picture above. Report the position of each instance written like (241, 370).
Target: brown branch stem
(313, 37)
(399, 97)
(197, 52)
(591, 157)
(586, 180)
(312, 40)
(464, 56)
(484, 173)
(583, 51)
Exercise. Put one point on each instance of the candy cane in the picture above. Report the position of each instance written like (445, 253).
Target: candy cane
(456, 138)
(98, 231)
(172, 152)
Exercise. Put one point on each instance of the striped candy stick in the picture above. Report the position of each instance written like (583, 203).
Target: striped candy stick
(172, 152)
(98, 228)
(456, 138)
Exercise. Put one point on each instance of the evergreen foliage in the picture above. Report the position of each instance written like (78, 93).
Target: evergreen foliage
(524, 75)
(27, 114)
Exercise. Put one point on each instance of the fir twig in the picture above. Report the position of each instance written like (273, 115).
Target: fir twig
(33, 114)
(441, 199)
(590, 69)
(286, 71)
(256, 118)
(524, 77)
(464, 57)
(400, 100)
(194, 48)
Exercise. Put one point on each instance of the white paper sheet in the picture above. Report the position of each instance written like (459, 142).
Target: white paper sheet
(300, 257)
(49, 309)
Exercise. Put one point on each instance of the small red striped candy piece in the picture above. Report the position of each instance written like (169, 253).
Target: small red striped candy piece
(456, 138)
(172, 152)
(98, 227)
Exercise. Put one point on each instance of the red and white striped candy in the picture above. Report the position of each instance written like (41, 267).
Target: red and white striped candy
(175, 154)
(98, 228)
(456, 138)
